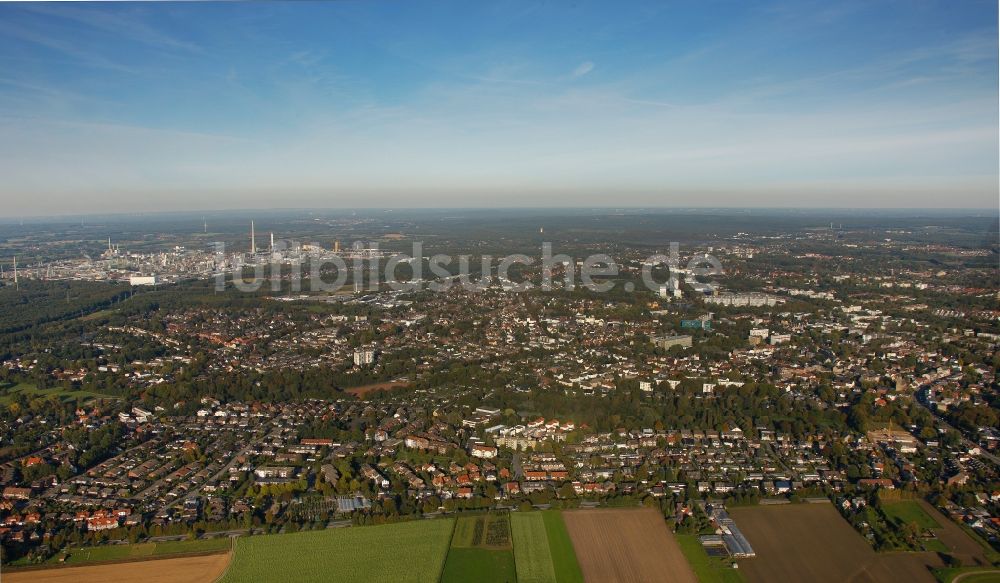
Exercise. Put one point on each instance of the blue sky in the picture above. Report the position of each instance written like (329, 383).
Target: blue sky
(192, 106)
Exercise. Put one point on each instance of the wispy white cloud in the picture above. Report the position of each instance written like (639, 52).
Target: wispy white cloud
(583, 68)
(53, 42)
(129, 24)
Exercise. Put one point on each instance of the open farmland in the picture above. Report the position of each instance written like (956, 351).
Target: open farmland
(626, 545)
(543, 549)
(811, 542)
(409, 551)
(481, 565)
(101, 553)
(561, 548)
(480, 550)
(531, 548)
(201, 569)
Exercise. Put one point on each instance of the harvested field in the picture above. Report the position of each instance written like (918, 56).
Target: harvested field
(812, 542)
(363, 390)
(626, 545)
(201, 569)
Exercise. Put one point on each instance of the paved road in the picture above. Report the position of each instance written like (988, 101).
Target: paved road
(781, 462)
(974, 574)
(516, 466)
(233, 532)
(968, 442)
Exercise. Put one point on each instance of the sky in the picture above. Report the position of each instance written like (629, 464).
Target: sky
(367, 104)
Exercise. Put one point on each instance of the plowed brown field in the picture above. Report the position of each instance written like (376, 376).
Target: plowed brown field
(626, 546)
(812, 542)
(200, 569)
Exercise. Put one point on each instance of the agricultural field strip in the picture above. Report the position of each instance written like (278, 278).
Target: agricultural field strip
(564, 561)
(480, 550)
(627, 546)
(199, 569)
(531, 549)
(408, 552)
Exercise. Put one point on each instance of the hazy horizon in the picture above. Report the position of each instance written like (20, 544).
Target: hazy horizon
(248, 213)
(161, 107)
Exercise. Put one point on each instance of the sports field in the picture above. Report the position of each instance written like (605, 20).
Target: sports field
(8, 393)
(627, 546)
(405, 552)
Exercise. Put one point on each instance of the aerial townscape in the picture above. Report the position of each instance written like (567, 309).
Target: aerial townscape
(500, 291)
(849, 382)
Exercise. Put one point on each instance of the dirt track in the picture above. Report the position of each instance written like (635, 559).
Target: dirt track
(812, 542)
(626, 546)
(200, 569)
(363, 390)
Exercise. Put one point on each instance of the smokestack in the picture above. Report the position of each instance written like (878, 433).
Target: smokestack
(272, 242)
(16, 286)
(253, 239)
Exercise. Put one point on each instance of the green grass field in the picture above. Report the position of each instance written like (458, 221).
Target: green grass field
(531, 548)
(480, 550)
(7, 393)
(221, 543)
(120, 552)
(908, 511)
(405, 552)
(564, 561)
(934, 545)
(708, 569)
(478, 564)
